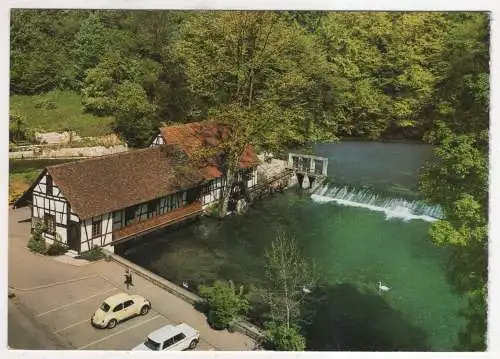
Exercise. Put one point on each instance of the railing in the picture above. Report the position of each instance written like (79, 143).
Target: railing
(158, 222)
(270, 180)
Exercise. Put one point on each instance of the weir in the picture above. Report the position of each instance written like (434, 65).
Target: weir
(393, 207)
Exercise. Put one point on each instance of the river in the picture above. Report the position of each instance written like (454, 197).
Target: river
(368, 225)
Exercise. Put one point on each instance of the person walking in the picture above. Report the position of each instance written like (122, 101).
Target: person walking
(128, 278)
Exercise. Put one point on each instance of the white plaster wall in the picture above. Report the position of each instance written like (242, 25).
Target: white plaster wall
(105, 237)
(62, 232)
(107, 222)
(86, 224)
(157, 141)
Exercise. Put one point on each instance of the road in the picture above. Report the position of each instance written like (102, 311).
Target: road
(26, 333)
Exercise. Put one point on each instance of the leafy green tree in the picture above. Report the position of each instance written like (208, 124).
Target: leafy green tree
(457, 178)
(385, 67)
(281, 337)
(90, 44)
(40, 58)
(255, 59)
(133, 114)
(224, 303)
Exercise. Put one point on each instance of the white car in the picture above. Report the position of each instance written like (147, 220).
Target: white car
(169, 337)
(118, 308)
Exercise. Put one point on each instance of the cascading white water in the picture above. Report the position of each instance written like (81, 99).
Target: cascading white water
(366, 198)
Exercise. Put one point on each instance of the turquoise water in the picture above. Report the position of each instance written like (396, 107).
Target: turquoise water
(353, 249)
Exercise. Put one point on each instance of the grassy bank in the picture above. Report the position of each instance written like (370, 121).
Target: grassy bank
(22, 173)
(20, 182)
(58, 111)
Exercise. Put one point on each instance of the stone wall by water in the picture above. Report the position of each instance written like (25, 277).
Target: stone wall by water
(270, 168)
(68, 152)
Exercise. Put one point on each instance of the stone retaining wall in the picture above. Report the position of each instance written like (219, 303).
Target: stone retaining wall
(67, 152)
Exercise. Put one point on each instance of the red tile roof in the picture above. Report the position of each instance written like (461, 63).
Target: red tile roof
(191, 137)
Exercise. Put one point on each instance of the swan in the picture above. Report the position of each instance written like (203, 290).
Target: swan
(306, 290)
(383, 288)
(185, 285)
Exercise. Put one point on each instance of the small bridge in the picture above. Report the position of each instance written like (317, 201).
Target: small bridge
(310, 170)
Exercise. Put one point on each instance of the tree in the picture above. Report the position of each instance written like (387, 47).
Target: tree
(384, 69)
(255, 60)
(40, 58)
(90, 45)
(224, 303)
(239, 129)
(290, 280)
(457, 177)
(133, 114)
(281, 337)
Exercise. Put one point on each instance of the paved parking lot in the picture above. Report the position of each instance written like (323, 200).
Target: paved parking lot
(62, 309)
(54, 301)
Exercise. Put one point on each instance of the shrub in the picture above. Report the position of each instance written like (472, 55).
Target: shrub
(37, 246)
(213, 210)
(56, 249)
(93, 254)
(37, 243)
(281, 337)
(14, 194)
(224, 304)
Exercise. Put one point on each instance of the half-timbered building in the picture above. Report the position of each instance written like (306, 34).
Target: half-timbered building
(107, 200)
(191, 137)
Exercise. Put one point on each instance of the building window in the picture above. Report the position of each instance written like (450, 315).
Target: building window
(49, 185)
(129, 215)
(96, 228)
(50, 223)
(153, 208)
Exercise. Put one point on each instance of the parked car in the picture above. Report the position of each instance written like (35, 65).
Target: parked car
(118, 308)
(169, 337)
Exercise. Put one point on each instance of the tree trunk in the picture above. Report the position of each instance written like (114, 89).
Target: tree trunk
(226, 192)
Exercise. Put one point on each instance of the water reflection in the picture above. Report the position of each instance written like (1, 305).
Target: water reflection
(343, 318)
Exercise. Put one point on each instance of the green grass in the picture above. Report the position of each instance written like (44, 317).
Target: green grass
(67, 114)
(27, 177)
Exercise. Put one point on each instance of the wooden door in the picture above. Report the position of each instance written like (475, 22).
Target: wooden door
(74, 241)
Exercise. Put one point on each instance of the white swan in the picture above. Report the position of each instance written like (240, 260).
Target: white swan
(306, 290)
(383, 288)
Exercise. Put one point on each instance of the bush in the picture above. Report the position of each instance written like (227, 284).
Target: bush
(56, 249)
(281, 337)
(37, 243)
(224, 304)
(14, 194)
(94, 254)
